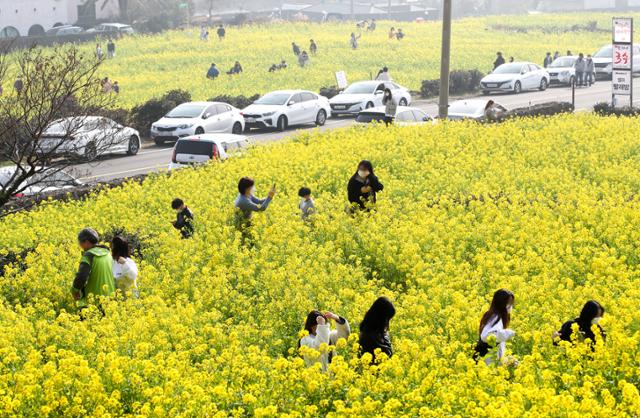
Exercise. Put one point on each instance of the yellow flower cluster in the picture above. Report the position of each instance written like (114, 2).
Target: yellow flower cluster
(547, 208)
(147, 66)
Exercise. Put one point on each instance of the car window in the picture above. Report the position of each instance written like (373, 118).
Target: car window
(309, 97)
(390, 86)
(380, 87)
(368, 117)
(195, 147)
(534, 67)
(406, 116)
(420, 115)
(234, 146)
(296, 98)
(222, 108)
(211, 111)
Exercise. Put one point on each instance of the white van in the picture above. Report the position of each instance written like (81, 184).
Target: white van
(199, 149)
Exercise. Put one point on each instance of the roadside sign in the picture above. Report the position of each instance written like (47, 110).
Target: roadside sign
(622, 62)
(341, 80)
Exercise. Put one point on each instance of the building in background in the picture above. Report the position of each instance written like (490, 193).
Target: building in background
(35, 17)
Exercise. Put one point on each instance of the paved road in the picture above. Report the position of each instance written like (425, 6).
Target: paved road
(156, 158)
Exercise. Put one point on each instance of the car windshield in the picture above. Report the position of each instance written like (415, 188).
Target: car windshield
(508, 69)
(605, 52)
(368, 117)
(274, 99)
(563, 62)
(195, 148)
(69, 126)
(360, 88)
(186, 111)
(466, 108)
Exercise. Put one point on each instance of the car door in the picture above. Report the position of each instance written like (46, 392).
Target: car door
(311, 107)
(421, 116)
(105, 135)
(120, 139)
(295, 109)
(210, 119)
(405, 118)
(226, 117)
(378, 94)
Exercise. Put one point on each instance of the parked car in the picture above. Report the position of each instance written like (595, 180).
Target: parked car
(64, 30)
(198, 149)
(515, 77)
(404, 116)
(603, 61)
(283, 108)
(196, 118)
(47, 180)
(562, 71)
(112, 28)
(89, 137)
(365, 95)
(473, 109)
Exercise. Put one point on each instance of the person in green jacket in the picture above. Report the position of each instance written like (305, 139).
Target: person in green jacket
(94, 276)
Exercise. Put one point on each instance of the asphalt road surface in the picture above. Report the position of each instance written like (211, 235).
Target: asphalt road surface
(153, 158)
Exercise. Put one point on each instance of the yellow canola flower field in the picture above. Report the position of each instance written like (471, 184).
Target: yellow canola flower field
(147, 66)
(547, 208)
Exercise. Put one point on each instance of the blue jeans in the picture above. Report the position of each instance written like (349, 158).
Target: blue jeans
(580, 78)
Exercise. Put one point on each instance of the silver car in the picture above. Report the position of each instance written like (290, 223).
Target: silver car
(515, 77)
(603, 61)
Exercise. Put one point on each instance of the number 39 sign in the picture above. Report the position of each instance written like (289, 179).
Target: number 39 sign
(622, 56)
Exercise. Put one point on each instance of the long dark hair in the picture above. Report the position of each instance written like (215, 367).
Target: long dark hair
(377, 318)
(501, 300)
(385, 97)
(366, 164)
(312, 320)
(119, 247)
(590, 310)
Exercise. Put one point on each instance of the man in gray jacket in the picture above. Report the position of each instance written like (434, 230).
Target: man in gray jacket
(581, 68)
(246, 203)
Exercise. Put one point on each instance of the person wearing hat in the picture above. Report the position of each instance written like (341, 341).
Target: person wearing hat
(94, 276)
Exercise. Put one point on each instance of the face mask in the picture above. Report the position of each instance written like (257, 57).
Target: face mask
(595, 321)
(363, 173)
(509, 308)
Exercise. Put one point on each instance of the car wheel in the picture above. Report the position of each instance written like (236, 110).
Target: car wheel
(369, 105)
(543, 84)
(321, 117)
(282, 123)
(199, 130)
(402, 102)
(517, 88)
(90, 152)
(134, 145)
(237, 128)
(159, 141)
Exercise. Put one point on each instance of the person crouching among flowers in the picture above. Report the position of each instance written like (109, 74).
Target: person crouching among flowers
(318, 325)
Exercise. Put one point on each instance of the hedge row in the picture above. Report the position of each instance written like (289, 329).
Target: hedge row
(606, 109)
(460, 82)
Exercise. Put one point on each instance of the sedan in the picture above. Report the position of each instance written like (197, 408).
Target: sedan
(515, 77)
(88, 137)
(283, 108)
(404, 116)
(474, 109)
(603, 61)
(365, 95)
(46, 180)
(562, 71)
(197, 118)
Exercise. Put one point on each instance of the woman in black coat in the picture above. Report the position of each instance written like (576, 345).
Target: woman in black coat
(374, 328)
(363, 185)
(589, 318)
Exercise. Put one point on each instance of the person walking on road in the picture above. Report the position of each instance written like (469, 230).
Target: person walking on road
(580, 67)
(363, 186)
(548, 59)
(499, 60)
(94, 276)
(590, 71)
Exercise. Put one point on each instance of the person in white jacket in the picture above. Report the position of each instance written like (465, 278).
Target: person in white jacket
(125, 270)
(319, 328)
(495, 322)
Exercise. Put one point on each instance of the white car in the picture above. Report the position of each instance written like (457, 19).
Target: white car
(515, 77)
(47, 180)
(365, 95)
(562, 71)
(196, 118)
(88, 137)
(283, 108)
(198, 149)
(404, 116)
(603, 61)
(112, 28)
(473, 109)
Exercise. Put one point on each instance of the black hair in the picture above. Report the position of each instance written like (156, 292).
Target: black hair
(245, 184)
(304, 191)
(88, 235)
(120, 247)
(177, 203)
(501, 300)
(377, 318)
(366, 164)
(312, 320)
(385, 69)
(590, 310)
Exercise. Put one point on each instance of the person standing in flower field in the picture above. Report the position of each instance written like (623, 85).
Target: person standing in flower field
(295, 48)
(495, 324)
(246, 203)
(184, 218)
(354, 40)
(99, 52)
(318, 325)
(374, 328)
(111, 49)
(306, 206)
(222, 32)
(313, 47)
(94, 276)
(125, 271)
(363, 186)
(589, 319)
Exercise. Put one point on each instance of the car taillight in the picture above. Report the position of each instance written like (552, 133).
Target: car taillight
(19, 195)
(214, 154)
(173, 157)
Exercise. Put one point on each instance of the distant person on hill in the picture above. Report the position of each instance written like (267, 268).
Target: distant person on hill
(499, 60)
(374, 328)
(383, 74)
(111, 49)
(236, 69)
(246, 203)
(569, 54)
(94, 276)
(213, 72)
(222, 32)
(400, 34)
(495, 323)
(354, 40)
(548, 59)
(282, 65)
(99, 52)
(363, 186)
(313, 47)
(318, 325)
(18, 86)
(125, 271)
(203, 33)
(590, 316)
(107, 87)
(590, 73)
(303, 59)
(390, 107)
(392, 33)
(115, 87)
(184, 218)
(581, 68)
(307, 206)
(372, 25)
(295, 48)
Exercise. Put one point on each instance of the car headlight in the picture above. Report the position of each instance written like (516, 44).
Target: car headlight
(268, 114)
(185, 126)
(154, 127)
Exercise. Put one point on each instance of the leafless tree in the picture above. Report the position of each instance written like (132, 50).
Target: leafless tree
(47, 120)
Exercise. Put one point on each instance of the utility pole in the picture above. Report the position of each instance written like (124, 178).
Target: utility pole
(443, 106)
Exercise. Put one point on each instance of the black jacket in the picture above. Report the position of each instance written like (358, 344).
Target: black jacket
(498, 62)
(369, 341)
(184, 223)
(355, 193)
(585, 331)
